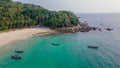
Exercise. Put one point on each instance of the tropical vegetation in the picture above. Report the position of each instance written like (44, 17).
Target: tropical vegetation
(19, 15)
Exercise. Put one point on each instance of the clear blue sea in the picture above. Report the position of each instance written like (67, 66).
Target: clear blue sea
(72, 51)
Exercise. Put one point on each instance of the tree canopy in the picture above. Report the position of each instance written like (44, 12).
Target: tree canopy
(18, 15)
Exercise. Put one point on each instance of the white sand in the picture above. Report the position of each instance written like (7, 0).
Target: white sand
(8, 37)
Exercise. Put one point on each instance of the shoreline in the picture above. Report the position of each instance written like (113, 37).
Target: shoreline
(8, 37)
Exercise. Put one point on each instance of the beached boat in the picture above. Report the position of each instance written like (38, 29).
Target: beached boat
(56, 44)
(19, 51)
(16, 57)
(93, 47)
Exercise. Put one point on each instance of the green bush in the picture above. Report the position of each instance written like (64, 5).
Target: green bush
(4, 28)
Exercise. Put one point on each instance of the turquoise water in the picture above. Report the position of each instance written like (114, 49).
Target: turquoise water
(72, 51)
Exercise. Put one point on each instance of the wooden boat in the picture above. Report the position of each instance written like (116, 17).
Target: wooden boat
(109, 29)
(93, 47)
(56, 44)
(16, 57)
(19, 51)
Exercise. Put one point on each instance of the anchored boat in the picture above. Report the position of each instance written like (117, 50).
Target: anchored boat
(56, 44)
(16, 57)
(93, 47)
(19, 51)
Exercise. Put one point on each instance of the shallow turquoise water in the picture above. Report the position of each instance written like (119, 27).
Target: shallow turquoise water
(71, 53)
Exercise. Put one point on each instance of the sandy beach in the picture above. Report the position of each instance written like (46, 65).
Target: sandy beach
(12, 36)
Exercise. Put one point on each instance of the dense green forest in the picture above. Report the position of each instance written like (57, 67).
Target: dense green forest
(18, 15)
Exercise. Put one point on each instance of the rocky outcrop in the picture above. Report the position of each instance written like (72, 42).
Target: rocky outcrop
(68, 29)
(82, 27)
